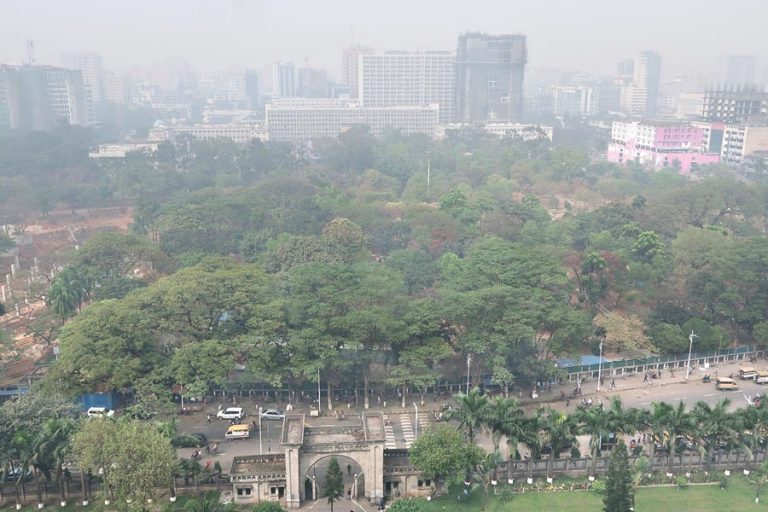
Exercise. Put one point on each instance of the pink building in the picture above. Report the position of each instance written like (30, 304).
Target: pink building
(659, 144)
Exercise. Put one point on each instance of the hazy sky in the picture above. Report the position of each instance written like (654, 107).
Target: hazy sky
(590, 35)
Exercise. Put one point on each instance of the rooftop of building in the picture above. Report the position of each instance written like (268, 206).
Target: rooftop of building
(266, 465)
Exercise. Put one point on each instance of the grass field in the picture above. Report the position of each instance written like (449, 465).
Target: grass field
(738, 497)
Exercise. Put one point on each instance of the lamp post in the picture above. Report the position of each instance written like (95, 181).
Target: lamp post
(428, 154)
(416, 424)
(261, 450)
(318, 391)
(600, 366)
(690, 348)
(469, 360)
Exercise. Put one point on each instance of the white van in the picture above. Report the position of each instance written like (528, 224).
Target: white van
(762, 377)
(242, 431)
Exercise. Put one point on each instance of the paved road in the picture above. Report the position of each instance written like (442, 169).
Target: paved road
(635, 393)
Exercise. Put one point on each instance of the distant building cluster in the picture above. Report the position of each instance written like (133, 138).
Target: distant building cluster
(485, 83)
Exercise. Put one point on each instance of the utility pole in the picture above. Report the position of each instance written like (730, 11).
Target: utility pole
(318, 392)
(690, 347)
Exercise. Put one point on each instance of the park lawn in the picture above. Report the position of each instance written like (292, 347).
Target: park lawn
(738, 497)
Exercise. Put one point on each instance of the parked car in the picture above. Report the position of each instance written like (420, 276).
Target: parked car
(100, 412)
(272, 414)
(231, 413)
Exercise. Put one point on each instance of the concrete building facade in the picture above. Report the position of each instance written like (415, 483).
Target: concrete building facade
(489, 77)
(395, 79)
(640, 97)
(660, 144)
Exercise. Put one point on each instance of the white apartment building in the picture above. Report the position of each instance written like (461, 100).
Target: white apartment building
(303, 119)
(68, 100)
(740, 142)
(641, 96)
(574, 101)
(396, 79)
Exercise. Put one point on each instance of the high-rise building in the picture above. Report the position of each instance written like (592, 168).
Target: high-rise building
(489, 77)
(574, 101)
(392, 79)
(735, 105)
(252, 89)
(115, 88)
(89, 64)
(283, 80)
(42, 97)
(641, 96)
(312, 83)
(739, 69)
(349, 68)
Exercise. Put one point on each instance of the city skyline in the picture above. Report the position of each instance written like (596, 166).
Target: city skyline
(248, 34)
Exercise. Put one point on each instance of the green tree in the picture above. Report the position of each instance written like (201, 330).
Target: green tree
(135, 460)
(333, 486)
(442, 453)
(503, 417)
(619, 491)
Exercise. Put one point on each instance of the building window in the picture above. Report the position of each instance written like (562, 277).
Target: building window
(424, 483)
(244, 491)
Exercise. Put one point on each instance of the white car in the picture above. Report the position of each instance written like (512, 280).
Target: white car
(100, 412)
(272, 414)
(231, 413)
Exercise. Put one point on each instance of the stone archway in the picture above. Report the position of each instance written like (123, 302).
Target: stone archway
(352, 471)
(361, 445)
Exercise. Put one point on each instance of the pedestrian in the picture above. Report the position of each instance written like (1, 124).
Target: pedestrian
(378, 399)
(207, 449)
(349, 405)
(567, 402)
(613, 383)
(349, 493)
(219, 405)
(209, 418)
(349, 469)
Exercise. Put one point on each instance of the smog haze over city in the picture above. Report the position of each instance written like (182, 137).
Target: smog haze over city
(403, 255)
(588, 35)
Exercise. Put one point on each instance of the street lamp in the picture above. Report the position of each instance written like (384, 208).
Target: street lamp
(261, 449)
(469, 360)
(416, 424)
(318, 392)
(690, 347)
(600, 366)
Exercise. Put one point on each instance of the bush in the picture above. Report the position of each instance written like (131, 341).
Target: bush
(723, 482)
(185, 441)
(681, 482)
(405, 505)
(598, 486)
(268, 506)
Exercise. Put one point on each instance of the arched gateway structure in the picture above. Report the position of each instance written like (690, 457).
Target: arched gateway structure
(292, 476)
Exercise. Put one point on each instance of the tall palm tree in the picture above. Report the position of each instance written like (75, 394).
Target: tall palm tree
(667, 423)
(558, 432)
(717, 427)
(755, 423)
(502, 418)
(55, 436)
(470, 412)
(69, 290)
(485, 473)
(594, 422)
